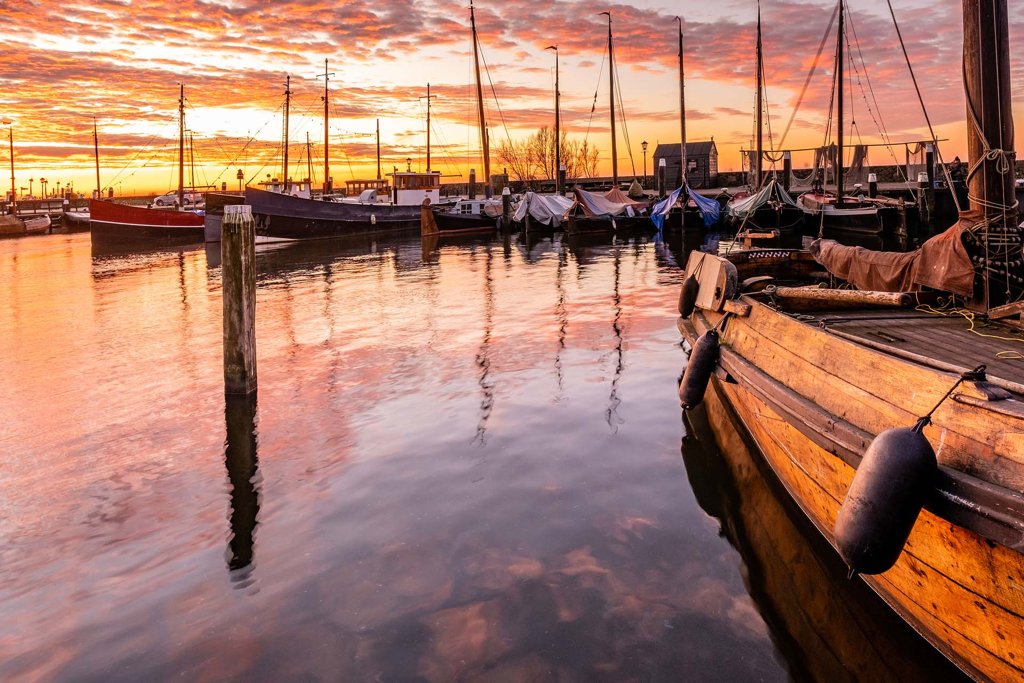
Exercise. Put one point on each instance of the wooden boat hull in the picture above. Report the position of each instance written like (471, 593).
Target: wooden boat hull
(787, 221)
(813, 402)
(877, 227)
(74, 221)
(449, 223)
(124, 223)
(607, 225)
(282, 217)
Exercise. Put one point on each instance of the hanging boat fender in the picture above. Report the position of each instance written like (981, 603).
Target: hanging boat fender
(888, 491)
(688, 296)
(702, 364)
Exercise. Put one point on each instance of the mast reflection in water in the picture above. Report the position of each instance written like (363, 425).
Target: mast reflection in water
(240, 458)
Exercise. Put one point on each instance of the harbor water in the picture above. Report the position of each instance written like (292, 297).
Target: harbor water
(466, 461)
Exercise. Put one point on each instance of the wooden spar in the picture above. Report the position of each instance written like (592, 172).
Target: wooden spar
(327, 154)
(839, 106)
(96, 150)
(760, 124)
(181, 147)
(378, 149)
(989, 113)
(428, 98)
(682, 109)
(558, 130)
(484, 146)
(309, 165)
(287, 106)
(611, 99)
(844, 296)
(14, 195)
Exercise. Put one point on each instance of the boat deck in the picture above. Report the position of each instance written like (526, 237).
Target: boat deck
(945, 341)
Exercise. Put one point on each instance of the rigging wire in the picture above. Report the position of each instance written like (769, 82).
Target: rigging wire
(593, 107)
(810, 75)
(622, 113)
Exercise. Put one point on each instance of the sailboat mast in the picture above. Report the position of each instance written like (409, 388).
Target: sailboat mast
(309, 165)
(191, 162)
(378, 149)
(181, 146)
(327, 155)
(428, 128)
(682, 110)
(96, 151)
(839, 107)
(287, 106)
(760, 97)
(480, 105)
(611, 99)
(558, 127)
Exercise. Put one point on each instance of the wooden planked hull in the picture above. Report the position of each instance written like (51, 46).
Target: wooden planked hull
(449, 223)
(812, 405)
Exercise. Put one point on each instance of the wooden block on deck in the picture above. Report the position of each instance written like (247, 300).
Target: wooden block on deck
(1006, 314)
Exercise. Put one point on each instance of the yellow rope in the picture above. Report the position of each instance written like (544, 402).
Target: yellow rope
(948, 309)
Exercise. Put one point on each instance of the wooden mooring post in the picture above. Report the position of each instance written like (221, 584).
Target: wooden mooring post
(238, 277)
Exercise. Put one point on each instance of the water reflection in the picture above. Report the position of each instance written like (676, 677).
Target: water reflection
(242, 462)
(483, 355)
(826, 627)
(611, 414)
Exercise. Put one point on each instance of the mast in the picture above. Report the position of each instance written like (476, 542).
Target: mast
(191, 163)
(480, 105)
(309, 166)
(611, 98)
(96, 150)
(990, 146)
(181, 147)
(14, 196)
(287, 106)
(839, 107)
(428, 98)
(558, 131)
(378, 149)
(760, 97)
(327, 154)
(682, 110)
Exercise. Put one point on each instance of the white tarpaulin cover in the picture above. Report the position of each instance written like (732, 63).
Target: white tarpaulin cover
(772, 191)
(546, 209)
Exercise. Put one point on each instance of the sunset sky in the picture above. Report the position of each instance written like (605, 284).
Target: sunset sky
(120, 62)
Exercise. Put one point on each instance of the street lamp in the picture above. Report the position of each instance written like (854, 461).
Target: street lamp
(643, 145)
(408, 164)
(42, 187)
(241, 177)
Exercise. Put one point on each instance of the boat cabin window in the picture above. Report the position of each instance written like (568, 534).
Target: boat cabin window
(418, 182)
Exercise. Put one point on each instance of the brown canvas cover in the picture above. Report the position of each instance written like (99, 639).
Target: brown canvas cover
(940, 263)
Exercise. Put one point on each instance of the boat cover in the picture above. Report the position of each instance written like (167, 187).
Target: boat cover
(941, 263)
(708, 207)
(547, 209)
(601, 205)
(741, 208)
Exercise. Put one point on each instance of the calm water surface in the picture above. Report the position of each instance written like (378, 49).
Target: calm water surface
(464, 463)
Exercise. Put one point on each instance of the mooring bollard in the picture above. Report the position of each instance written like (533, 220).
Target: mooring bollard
(238, 278)
(506, 208)
(472, 184)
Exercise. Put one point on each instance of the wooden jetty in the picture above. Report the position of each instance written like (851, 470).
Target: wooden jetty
(826, 382)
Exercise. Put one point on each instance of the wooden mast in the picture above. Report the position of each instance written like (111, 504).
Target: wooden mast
(378, 149)
(309, 166)
(558, 131)
(428, 98)
(480, 105)
(760, 96)
(181, 147)
(839, 107)
(287, 106)
(611, 100)
(682, 110)
(990, 148)
(96, 151)
(327, 153)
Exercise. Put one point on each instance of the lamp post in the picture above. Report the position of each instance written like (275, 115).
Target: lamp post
(42, 187)
(643, 145)
(408, 164)
(30, 181)
(241, 177)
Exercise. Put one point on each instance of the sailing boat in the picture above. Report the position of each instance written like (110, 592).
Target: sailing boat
(614, 211)
(123, 223)
(871, 222)
(284, 217)
(684, 209)
(768, 213)
(467, 216)
(896, 430)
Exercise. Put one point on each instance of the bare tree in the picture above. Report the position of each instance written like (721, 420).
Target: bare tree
(533, 157)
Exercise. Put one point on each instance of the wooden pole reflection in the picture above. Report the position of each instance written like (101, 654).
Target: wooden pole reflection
(241, 461)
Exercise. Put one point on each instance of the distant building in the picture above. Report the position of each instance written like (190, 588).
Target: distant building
(702, 164)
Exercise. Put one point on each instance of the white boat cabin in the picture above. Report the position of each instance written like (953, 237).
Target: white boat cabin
(295, 188)
(411, 187)
(375, 191)
(475, 207)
